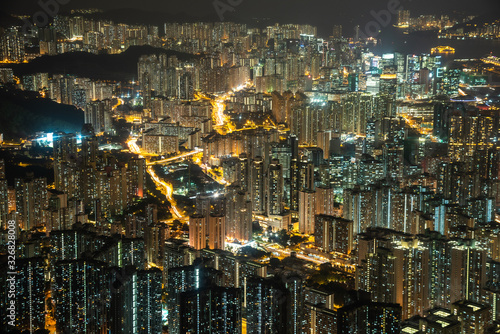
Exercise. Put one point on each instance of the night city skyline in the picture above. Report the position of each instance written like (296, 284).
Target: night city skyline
(245, 167)
(321, 13)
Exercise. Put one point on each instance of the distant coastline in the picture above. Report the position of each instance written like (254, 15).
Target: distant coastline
(393, 39)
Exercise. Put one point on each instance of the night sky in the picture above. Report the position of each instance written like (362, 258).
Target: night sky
(321, 13)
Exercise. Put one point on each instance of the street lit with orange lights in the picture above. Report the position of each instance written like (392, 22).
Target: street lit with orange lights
(134, 148)
(283, 173)
(223, 125)
(118, 103)
(211, 173)
(132, 145)
(177, 157)
(316, 259)
(222, 122)
(50, 322)
(167, 190)
(414, 125)
(165, 187)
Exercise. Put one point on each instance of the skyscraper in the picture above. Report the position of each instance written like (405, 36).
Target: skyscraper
(257, 185)
(274, 189)
(197, 231)
(142, 303)
(216, 231)
(31, 199)
(31, 294)
(266, 304)
(184, 279)
(333, 234)
(238, 214)
(307, 210)
(403, 18)
(369, 317)
(81, 293)
(211, 309)
(337, 32)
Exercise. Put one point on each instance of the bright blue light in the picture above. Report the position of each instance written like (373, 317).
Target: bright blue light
(164, 316)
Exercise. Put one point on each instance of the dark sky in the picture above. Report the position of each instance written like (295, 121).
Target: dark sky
(322, 13)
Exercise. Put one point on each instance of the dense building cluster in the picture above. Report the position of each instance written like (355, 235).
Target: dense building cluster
(327, 189)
